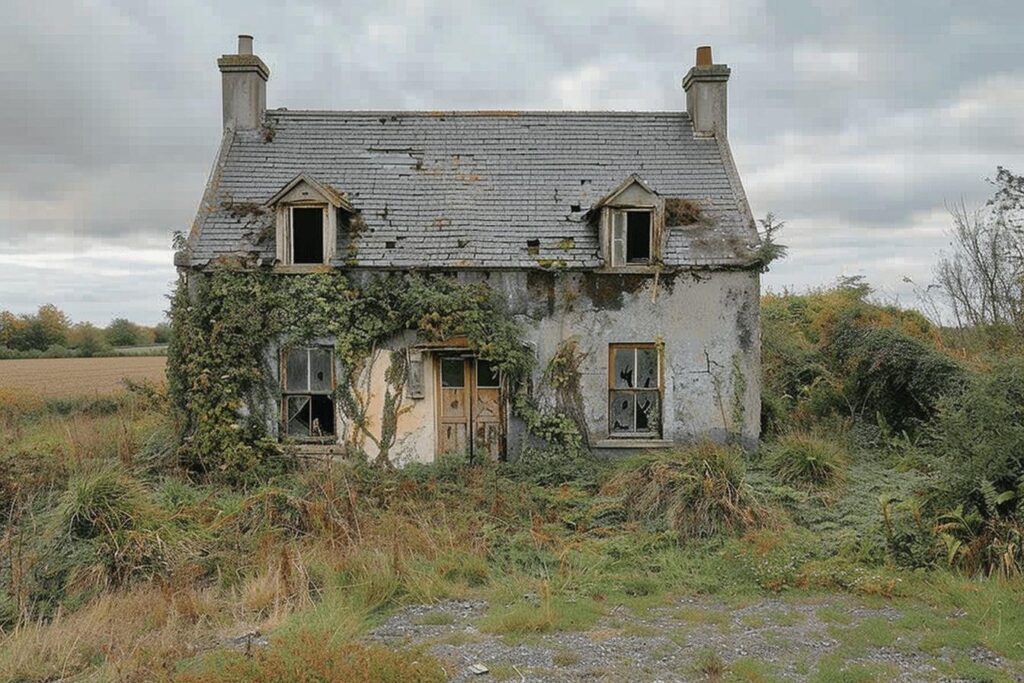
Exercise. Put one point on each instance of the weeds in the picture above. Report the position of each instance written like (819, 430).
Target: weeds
(697, 492)
(804, 460)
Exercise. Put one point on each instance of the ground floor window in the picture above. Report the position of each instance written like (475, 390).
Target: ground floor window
(634, 390)
(307, 384)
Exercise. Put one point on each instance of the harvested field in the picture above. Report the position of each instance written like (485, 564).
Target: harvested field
(67, 377)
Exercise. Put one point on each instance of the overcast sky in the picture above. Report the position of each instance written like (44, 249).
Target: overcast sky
(855, 122)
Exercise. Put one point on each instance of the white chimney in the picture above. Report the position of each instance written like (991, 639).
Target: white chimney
(244, 87)
(706, 101)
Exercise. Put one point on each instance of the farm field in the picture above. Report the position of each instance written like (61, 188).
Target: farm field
(73, 377)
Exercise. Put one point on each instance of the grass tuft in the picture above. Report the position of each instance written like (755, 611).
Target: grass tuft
(805, 461)
(696, 492)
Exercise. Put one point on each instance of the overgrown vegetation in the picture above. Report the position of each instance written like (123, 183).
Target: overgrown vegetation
(225, 321)
(162, 536)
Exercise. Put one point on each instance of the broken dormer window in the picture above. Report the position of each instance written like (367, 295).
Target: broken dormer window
(307, 400)
(632, 237)
(307, 235)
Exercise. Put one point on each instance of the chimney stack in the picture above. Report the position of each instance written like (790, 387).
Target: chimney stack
(706, 101)
(244, 87)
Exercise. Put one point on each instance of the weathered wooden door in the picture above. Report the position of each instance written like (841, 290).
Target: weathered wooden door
(470, 411)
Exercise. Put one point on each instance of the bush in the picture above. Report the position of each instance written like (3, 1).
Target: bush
(891, 375)
(803, 460)
(696, 492)
(978, 440)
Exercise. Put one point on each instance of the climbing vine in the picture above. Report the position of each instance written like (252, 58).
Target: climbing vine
(227, 321)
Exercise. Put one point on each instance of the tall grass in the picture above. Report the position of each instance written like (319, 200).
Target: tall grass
(696, 492)
(807, 461)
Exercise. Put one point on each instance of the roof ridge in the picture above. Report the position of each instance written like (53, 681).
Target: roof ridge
(427, 113)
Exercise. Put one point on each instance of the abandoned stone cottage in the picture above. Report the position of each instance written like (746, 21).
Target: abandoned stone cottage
(627, 232)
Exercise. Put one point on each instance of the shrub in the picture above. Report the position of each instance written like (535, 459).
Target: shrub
(696, 492)
(803, 460)
(891, 375)
(978, 440)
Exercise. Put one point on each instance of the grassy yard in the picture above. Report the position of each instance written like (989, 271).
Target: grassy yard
(117, 567)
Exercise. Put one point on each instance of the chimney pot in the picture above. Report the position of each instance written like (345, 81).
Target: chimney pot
(244, 44)
(703, 56)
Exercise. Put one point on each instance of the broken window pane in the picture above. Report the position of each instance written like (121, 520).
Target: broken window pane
(624, 368)
(297, 410)
(322, 416)
(638, 237)
(487, 374)
(648, 413)
(307, 235)
(453, 373)
(320, 375)
(622, 411)
(647, 368)
(296, 370)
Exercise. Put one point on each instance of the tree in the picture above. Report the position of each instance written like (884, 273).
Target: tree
(161, 333)
(983, 278)
(123, 332)
(88, 339)
(48, 327)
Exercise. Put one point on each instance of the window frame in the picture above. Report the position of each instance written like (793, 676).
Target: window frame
(308, 392)
(286, 237)
(616, 257)
(659, 390)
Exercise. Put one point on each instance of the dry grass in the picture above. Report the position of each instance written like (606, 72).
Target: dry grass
(78, 377)
(131, 636)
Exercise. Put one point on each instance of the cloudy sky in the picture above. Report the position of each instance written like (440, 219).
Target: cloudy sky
(856, 122)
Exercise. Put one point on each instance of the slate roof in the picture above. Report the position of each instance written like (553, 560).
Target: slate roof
(474, 189)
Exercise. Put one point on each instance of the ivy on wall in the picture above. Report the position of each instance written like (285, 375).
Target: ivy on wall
(227, 321)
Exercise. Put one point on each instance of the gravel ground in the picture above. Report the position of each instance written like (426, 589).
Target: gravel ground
(780, 639)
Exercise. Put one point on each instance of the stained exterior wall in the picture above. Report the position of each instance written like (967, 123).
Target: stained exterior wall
(706, 324)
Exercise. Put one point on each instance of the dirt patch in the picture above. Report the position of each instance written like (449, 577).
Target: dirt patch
(73, 377)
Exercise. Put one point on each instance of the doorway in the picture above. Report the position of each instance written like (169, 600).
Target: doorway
(470, 412)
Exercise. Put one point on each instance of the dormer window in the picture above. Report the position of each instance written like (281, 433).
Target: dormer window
(632, 236)
(307, 221)
(631, 225)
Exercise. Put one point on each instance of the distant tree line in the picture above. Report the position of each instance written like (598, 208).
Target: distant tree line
(49, 332)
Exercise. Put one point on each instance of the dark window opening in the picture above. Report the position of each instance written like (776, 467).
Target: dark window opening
(638, 236)
(487, 374)
(307, 236)
(453, 373)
